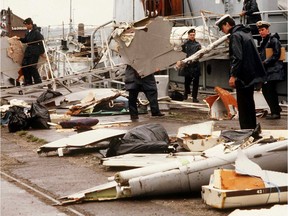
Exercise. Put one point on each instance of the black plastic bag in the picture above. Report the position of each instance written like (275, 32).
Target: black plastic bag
(176, 95)
(18, 119)
(39, 116)
(148, 138)
(152, 147)
(49, 94)
(147, 132)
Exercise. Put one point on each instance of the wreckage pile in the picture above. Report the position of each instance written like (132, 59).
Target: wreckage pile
(196, 159)
(187, 172)
(19, 115)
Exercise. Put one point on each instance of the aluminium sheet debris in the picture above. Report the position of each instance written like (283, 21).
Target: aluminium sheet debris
(223, 105)
(184, 178)
(197, 137)
(248, 185)
(275, 210)
(152, 37)
(142, 160)
(81, 140)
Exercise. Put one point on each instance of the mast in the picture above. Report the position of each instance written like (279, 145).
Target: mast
(9, 24)
(70, 23)
(227, 6)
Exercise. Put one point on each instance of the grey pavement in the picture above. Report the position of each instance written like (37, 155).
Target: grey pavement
(16, 201)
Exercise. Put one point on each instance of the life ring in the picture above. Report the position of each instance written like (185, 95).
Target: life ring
(3, 25)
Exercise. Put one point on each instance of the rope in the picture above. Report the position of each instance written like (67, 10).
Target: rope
(34, 42)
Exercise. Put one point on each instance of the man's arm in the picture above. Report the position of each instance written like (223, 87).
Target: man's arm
(236, 55)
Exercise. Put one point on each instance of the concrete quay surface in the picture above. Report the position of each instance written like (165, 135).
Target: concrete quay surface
(49, 177)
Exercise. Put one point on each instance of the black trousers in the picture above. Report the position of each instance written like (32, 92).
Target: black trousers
(271, 96)
(30, 70)
(152, 97)
(195, 85)
(246, 107)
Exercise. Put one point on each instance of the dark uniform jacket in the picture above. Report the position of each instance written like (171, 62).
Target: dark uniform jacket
(246, 64)
(193, 69)
(33, 49)
(250, 6)
(134, 82)
(273, 66)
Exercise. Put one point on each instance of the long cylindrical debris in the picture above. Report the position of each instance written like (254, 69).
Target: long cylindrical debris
(205, 50)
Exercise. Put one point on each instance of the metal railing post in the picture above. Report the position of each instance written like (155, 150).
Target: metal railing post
(92, 41)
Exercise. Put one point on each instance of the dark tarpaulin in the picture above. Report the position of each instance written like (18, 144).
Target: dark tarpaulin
(241, 135)
(39, 116)
(18, 120)
(49, 94)
(148, 138)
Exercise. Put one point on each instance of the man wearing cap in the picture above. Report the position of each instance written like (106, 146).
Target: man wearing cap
(191, 72)
(273, 66)
(34, 49)
(246, 68)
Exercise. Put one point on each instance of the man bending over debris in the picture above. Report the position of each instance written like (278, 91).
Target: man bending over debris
(246, 70)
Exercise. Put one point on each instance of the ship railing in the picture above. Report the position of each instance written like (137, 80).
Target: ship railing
(60, 65)
(105, 51)
(210, 32)
(55, 61)
(208, 19)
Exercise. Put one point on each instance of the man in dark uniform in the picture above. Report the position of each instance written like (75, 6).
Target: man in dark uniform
(34, 49)
(135, 84)
(246, 68)
(273, 66)
(250, 7)
(191, 72)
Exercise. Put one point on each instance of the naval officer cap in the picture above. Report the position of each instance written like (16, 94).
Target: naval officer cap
(263, 24)
(223, 20)
(192, 30)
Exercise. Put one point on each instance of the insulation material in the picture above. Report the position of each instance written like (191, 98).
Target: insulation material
(15, 51)
(9, 66)
(230, 180)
